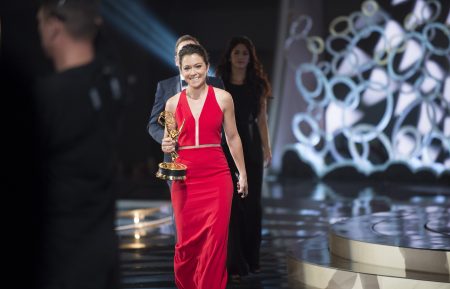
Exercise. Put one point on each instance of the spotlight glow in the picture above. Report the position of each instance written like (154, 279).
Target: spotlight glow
(139, 24)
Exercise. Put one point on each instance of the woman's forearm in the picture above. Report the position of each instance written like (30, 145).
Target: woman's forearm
(264, 130)
(235, 146)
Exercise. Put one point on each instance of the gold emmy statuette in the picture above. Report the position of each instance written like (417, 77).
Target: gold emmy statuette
(171, 170)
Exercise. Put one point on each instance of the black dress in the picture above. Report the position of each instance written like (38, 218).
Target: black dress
(246, 214)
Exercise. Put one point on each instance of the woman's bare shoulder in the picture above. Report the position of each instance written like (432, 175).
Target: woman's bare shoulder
(172, 102)
(224, 98)
(222, 94)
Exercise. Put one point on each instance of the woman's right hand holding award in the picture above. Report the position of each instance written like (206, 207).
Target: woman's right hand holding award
(170, 170)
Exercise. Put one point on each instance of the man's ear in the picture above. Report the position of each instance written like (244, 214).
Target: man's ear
(55, 28)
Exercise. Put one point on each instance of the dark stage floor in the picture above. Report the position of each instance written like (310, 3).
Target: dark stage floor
(293, 211)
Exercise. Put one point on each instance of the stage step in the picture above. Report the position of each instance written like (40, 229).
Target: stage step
(414, 240)
(387, 250)
(311, 263)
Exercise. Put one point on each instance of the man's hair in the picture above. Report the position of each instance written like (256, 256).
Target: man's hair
(80, 17)
(183, 38)
(193, 49)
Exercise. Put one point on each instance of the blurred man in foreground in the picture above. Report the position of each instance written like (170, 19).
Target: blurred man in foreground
(78, 109)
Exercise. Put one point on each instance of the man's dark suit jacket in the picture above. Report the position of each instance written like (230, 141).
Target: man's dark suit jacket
(166, 89)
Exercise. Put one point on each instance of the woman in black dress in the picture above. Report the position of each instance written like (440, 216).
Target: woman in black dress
(245, 80)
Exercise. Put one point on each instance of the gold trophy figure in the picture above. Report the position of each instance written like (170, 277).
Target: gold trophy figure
(171, 170)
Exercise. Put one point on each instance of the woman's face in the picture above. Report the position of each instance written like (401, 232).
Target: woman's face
(194, 70)
(240, 56)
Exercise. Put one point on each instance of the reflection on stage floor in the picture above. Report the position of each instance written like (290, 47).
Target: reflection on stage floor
(293, 211)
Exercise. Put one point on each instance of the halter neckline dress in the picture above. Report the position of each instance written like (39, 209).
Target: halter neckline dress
(202, 202)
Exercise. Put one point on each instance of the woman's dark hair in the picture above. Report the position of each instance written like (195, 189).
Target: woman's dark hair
(255, 75)
(190, 49)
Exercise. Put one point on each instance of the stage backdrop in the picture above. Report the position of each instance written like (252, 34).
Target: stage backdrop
(364, 87)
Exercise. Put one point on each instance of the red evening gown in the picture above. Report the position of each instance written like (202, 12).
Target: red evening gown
(202, 202)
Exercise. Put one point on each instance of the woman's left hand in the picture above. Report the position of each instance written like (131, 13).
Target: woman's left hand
(242, 186)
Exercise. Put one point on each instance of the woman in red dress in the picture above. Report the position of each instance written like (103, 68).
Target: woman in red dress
(202, 202)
